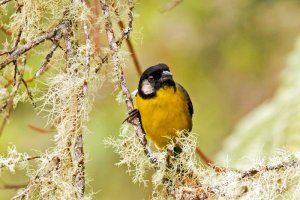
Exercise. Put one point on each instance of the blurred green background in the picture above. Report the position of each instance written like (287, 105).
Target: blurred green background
(227, 54)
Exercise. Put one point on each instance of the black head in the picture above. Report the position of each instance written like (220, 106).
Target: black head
(154, 78)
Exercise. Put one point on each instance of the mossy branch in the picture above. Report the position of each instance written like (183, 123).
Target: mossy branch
(15, 53)
(113, 44)
(67, 101)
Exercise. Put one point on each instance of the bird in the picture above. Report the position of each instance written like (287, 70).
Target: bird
(164, 106)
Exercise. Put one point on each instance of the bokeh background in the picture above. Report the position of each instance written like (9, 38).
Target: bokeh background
(227, 54)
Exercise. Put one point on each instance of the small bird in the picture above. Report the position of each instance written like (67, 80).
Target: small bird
(164, 105)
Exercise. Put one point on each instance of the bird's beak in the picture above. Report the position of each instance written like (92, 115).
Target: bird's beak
(166, 75)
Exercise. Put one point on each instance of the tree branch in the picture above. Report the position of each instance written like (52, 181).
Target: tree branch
(170, 5)
(8, 105)
(132, 51)
(116, 62)
(33, 183)
(2, 2)
(44, 64)
(284, 165)
(15, 53)
(12, 186)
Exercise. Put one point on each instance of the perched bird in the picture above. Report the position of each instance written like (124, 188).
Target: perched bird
(164, 105)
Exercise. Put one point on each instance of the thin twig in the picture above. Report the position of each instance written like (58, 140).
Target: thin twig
(53, 41)
(17, 40)
(125, 31)
(125, 35)
(26, 159)
(87, 43)
(12, 186)
(42, 69)
(29, 93)
(2, 2)
(33, 183)
(69, 49)
(253, 172)
(25, 192)
(103, 60)
(172, 4)
(43, 66)
(33, 157)
(41, 130)
(8, 105)
(132, 51)
(15, 44)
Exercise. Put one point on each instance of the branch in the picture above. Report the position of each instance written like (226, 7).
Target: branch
(284, 165)
(43, 66)
(22, 160)
(15, 53)
(87, 42)
(95, 29)
(12, 186)
(2, 2)
(132, 51)
(125, 35)
(8, 105)
(76, 140)
(16, 42)
(33, 183)
(41, 130)
(171, 5)
(29, 93)
(116, 62)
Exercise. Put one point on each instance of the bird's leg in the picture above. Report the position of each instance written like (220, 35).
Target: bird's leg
(132, 115)
(170, 154)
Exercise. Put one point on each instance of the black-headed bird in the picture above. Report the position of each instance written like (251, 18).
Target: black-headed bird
(164, 105)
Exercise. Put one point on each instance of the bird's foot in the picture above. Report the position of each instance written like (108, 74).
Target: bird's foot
(132, 115)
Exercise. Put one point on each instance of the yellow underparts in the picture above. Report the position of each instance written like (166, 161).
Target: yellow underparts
(163, 115)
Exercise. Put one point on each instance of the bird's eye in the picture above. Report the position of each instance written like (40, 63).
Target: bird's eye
(151, 79)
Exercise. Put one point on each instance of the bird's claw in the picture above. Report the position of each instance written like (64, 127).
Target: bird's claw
(132, 115)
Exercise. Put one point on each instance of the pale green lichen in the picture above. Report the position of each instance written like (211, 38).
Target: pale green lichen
(184, 177)
(13, 159)
(131, 154)
(66, 99)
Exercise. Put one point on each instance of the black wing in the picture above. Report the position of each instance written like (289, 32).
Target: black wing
(190, 104)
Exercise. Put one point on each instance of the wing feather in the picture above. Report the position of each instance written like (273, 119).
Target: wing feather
(190, 104)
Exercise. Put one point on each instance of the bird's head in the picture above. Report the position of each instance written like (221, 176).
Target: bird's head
(154, 78)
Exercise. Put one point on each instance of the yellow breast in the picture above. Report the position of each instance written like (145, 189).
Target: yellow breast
(163, 115)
